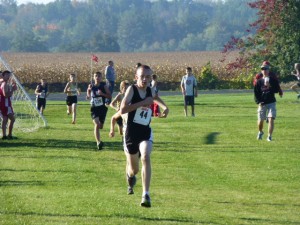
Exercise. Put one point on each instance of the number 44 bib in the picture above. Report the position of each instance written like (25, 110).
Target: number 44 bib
(142, 116)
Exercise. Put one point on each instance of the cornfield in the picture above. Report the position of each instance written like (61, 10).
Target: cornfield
(56, 67)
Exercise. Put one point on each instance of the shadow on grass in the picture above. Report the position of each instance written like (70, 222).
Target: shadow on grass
(47, 144)
(20, 183)
(211, 138)
(121, 216)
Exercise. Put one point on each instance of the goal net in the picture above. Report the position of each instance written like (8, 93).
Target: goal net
(28, 118)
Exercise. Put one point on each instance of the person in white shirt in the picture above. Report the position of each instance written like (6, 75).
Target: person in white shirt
(189, 90)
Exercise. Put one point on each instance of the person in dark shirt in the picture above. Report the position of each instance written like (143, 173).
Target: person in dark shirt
(264, 92)
(138, 133)
(42, 93)
(98, 93)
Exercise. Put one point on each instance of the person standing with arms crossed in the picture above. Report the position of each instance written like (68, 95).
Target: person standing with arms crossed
(189, 90)
(138, 133)
(264, 94)
(110, 76)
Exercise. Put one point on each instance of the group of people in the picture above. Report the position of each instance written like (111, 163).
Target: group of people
(133, 115)
(134, 105)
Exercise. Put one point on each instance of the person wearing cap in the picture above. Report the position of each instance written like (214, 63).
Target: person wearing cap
(297, 74)
(264, 92)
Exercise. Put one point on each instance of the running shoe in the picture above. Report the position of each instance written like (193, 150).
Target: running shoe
(131, 182)
(298, 97)
(146, 202)
(260, 135)
(269, 138)
(130, 191)
(100, 145)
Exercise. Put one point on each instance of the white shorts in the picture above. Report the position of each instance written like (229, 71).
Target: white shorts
(267, 110)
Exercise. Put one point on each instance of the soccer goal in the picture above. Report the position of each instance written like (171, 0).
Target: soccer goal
(28, 118)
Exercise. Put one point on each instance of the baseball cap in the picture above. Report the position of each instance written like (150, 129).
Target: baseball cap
(265, 65)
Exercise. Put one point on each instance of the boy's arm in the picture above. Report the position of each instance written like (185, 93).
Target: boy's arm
(88, 92)
(195, 87)
(182, 86)
(163, 105)
(113, 123)
(66, 88)
(36, 90)
(114, 101)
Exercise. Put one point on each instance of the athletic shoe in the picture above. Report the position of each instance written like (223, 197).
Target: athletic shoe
(193, 115)
(10, 137)
(131, 182)
(100, 145)
(130, 191)
(68, 113)
(298, 97)
(269, 138)
(260, 135)
(4, 138)
(146, 202)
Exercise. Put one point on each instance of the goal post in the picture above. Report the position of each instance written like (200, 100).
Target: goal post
(28, 117)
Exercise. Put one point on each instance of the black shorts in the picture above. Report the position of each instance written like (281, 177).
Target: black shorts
(40, 102)
(133, 141)
(189, 100)
(70, 100)
(99, 112)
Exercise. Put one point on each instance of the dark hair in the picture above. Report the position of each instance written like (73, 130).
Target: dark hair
(98, 74)
(5, 72)
(138, 65)
(145, 67)
(154, 76)
(189, 68)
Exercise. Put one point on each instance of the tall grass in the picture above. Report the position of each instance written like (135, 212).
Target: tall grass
(209, 169)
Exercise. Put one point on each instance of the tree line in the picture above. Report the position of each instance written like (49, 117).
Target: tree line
(122, 25)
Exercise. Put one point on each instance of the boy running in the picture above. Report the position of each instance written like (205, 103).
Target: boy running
(138, 133)
(98, 93)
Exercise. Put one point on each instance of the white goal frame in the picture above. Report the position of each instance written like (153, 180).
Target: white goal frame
(28, 117)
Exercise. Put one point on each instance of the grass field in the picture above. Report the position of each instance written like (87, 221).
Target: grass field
(206, 170)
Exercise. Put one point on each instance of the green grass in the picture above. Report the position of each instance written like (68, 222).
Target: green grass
(206, 170)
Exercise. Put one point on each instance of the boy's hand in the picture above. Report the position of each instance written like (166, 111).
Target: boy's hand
(111, 134)
(165, 113)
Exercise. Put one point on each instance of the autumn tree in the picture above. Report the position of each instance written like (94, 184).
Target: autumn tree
(276, 38)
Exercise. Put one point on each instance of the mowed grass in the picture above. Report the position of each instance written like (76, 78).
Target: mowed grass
(209, 169)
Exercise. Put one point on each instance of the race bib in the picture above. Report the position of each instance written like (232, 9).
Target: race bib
(142, 116)
(97, 101)
(42, 95)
